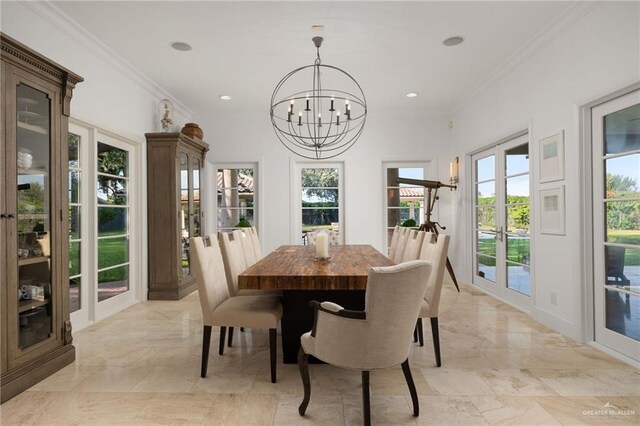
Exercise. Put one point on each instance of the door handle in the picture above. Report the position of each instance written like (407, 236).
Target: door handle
(11, 216)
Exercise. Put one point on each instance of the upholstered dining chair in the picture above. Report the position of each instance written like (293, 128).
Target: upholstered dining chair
(248, 239)
(219, 309)
(413, 246)
(334, 237)
(434, 250)
(397, 255)
(377, 338)
(233, 246)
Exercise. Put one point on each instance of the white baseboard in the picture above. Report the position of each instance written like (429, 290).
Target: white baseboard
(558, 324)
(617, 355)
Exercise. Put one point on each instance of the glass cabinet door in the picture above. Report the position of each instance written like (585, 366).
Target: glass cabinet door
(184, 214)
(197, 215)
(33, 217)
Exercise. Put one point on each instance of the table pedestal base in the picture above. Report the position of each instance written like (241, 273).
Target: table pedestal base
(297, 316)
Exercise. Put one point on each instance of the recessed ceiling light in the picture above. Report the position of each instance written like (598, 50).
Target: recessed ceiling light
(411, 94)
(453, 41)
(225, 97)
(183, 47)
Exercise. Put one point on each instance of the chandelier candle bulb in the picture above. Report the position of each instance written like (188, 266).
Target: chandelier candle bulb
(300, 119)
(332, 109)
(319, 120)
(337, 118)
(307, 109)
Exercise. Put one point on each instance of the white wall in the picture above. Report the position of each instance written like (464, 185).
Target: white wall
(388, 136)
(595, 56)
(112, 96)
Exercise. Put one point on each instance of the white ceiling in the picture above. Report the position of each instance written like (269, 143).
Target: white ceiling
(244, 48)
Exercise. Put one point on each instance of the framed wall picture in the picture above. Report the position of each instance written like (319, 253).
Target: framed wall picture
(552, 211)
(552, 157)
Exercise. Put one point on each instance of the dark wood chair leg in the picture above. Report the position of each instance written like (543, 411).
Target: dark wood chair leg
(303, 366)
(436, 339)
(242, 329)
(420, 335)
(230, 341)
(412, 388)
(223, 332)
(415, 332)
(206, 343)
(272, 348)
(366, 405)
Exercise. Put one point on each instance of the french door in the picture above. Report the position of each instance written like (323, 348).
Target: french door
(502, 231)
(616, 223)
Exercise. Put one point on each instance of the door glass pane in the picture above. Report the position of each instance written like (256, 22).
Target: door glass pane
(518, 278)
(518, 219)
(518, 189)
(622, 265)
(320, 198)
(75, 288)
(236, 201)
(486, 217)
(518, 248)
(517, 160)
(486, 168)
(74, 222)
(486, 267)
(75, 203)
(623, 221)
(486, 193)
(623, 176)
(196, 197)
(113, 223)
(486, 243)
(622, 313)
(185, 212)
(33, 216)
(622, 130)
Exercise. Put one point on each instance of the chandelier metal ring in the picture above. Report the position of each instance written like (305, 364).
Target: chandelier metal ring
(319, 123)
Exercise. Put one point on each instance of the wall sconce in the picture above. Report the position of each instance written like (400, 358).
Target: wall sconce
(453, 172)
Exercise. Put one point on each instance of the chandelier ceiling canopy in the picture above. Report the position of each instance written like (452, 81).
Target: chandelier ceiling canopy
(318, 111)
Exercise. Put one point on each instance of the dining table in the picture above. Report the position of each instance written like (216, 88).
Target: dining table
(302, 277)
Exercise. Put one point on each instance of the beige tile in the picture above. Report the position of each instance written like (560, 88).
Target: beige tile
(288, 381)
(322, 410)
(456, 382)
(590, 383)
(242, 410)
(512, 410)
(515, 382)
(175, 409)
(385, 410)
(113, 379)
(448, 410)
(585, 410)
(66, 379)
(231, 381)
(168, 379)
(392, 382)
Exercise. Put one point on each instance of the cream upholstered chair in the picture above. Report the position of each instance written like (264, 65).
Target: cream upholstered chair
(378, 337)
(397, 255)
(434, 250)
(413, 246)
(334, 237)
(248, 238)
(219, 309)
(233, 246)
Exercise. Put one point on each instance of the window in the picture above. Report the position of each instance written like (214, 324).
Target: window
(404, 203)
(113, 221)
(237, 200)
(75, 208)
(321, 201)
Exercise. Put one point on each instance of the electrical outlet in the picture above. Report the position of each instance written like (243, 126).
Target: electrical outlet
(554, 298)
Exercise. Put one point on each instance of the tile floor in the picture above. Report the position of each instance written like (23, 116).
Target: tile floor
(141, 366)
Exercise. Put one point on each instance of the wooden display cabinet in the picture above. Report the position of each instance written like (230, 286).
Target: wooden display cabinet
(35, 328)
(174, 184)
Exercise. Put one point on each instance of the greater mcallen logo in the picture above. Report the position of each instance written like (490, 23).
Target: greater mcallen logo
(609, 409)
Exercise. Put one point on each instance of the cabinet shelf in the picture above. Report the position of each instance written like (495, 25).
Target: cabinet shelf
(32, 128)
(32, 260)
(27, 305)
(32, 171)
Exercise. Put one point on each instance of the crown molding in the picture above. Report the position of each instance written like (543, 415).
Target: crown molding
(63, 22)
(570, 16)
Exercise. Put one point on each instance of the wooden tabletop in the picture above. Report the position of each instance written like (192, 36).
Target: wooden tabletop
(296, 268)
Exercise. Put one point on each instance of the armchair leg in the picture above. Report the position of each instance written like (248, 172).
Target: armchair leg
(365, 398)
(223, 332)
(420, 335)
(206, 342)
(303, 360)
(412, 388)
(436, 339)
(230, 341)
(272, 349)
(415, 332)
(242, 329)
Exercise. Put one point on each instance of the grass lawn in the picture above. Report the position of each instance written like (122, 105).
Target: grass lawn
(111, 251)
(631, 256)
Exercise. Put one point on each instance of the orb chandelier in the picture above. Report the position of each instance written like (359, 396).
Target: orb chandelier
(318, 111)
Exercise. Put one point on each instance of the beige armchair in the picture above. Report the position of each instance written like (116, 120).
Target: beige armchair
(334, 237)
(413, 245)
(248, 239)
(435, 252)
(219, 309)
(378, 337)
